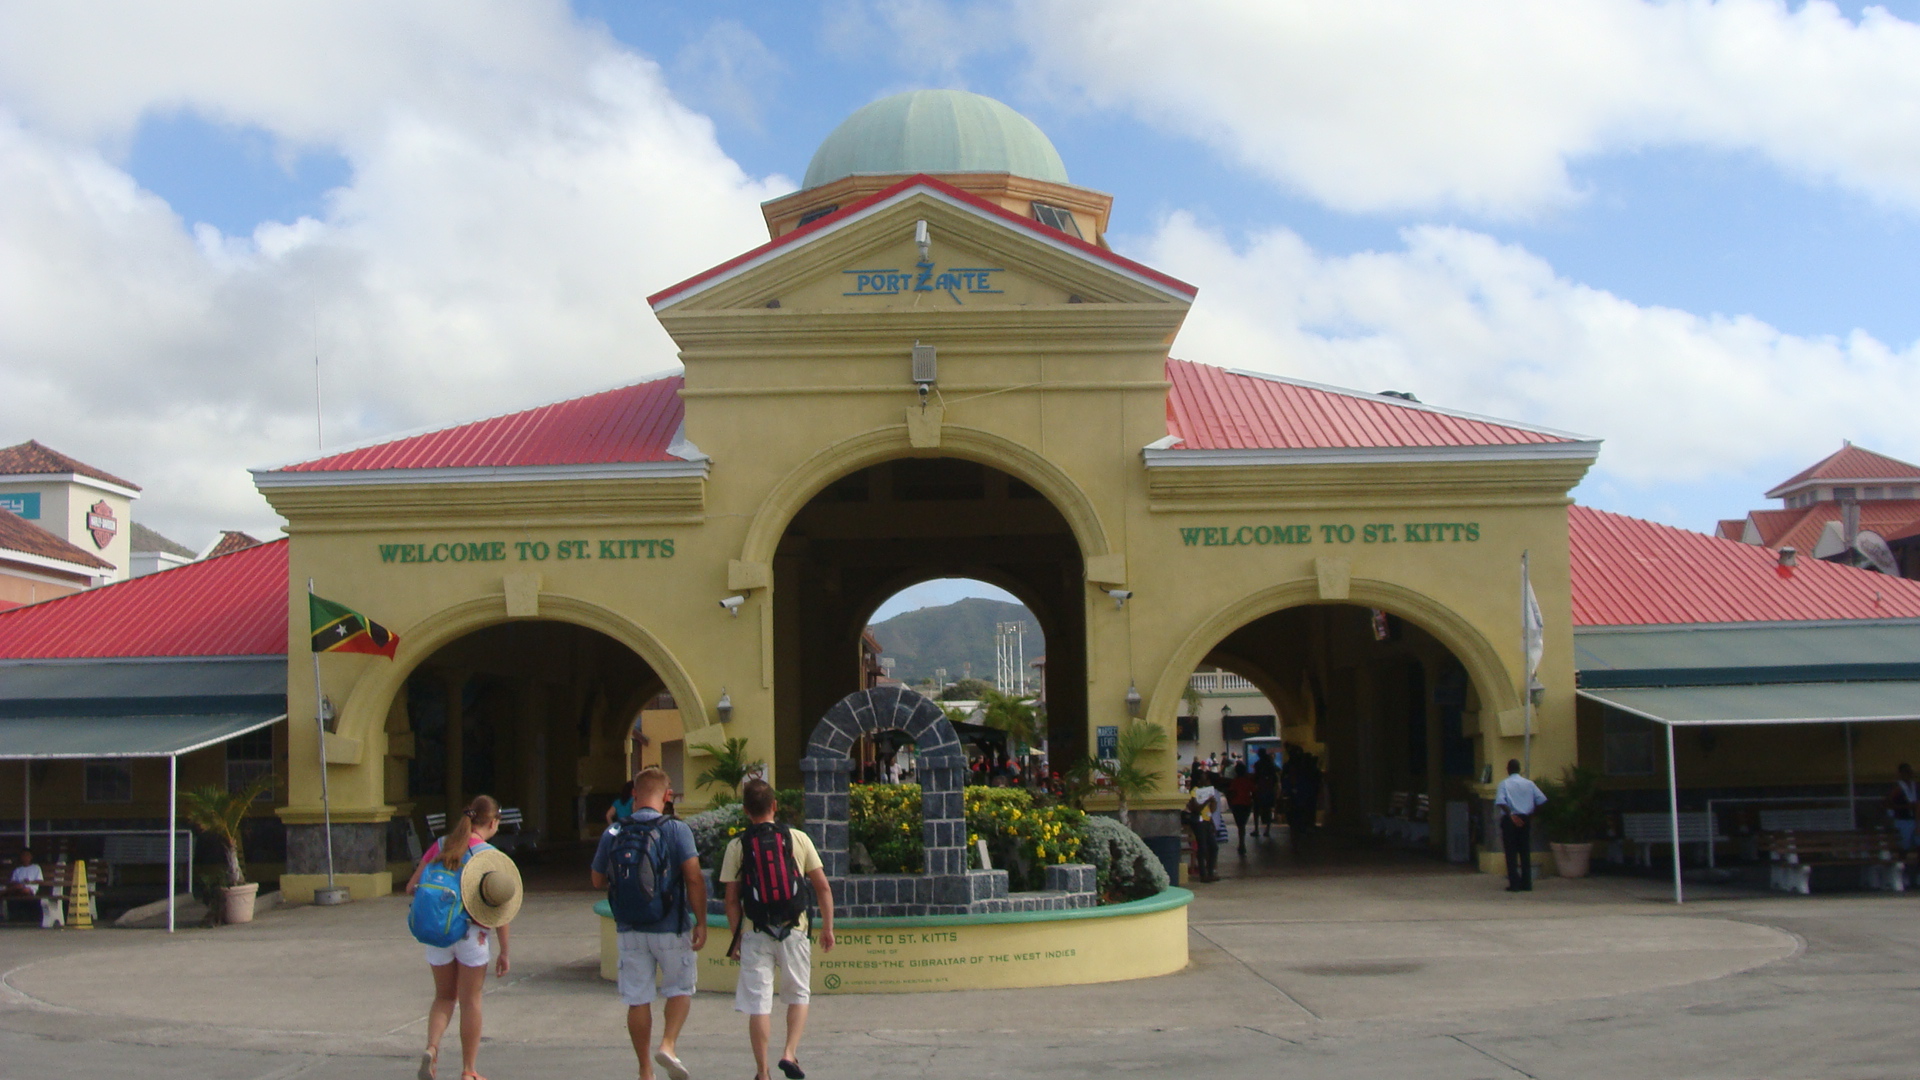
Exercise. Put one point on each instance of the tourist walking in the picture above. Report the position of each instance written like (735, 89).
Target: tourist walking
(455, 923)
(1902, 799)
(1518, 799)
(767, 913)
(650, 868)
(1266, 792)
(1206, 813)
(1240, 800)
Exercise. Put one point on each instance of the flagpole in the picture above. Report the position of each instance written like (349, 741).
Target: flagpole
(320, 724)
(1527, 673)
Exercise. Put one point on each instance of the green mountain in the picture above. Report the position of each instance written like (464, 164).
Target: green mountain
(952, 636)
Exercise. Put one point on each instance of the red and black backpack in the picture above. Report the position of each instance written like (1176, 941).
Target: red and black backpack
(770, 879)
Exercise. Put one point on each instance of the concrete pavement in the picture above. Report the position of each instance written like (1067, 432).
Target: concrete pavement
(1429, 974)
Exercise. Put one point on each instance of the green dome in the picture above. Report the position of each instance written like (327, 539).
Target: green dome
(935, 131)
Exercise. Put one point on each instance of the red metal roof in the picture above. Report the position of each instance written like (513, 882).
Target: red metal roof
(1800, 527)
(631, 424)
(1850, 463)
(1211, 408)
(235, 605)
(32, 457)
(1630, 572)
(232, 540)
(936, 184)
(19, 534)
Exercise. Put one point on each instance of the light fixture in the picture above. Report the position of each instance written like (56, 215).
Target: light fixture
(1536, 690)
(1226, 711)
(926, 368)
(1133, 700)
(732, 603)
(724, 707)
(327, 715)
(920, 238)
(1120, 597)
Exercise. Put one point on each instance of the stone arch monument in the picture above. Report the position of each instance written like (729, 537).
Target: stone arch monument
(947, 887)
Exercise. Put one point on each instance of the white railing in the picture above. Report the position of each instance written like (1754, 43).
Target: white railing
(1218, 682)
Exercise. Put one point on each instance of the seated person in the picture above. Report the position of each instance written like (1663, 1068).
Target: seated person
(25, 882)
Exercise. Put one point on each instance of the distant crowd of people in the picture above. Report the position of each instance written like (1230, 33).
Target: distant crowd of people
(1227, 786)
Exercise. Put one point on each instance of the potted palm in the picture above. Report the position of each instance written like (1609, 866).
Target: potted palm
(219, 813)
(1573, 819)
(1139, 741)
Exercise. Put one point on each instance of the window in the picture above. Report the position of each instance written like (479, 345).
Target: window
(1844, 493)
(1628, 749)
(109, 781)
(1870, 493)
(250, 757)
(1056, 217)
(817, 213)
(1900, 491)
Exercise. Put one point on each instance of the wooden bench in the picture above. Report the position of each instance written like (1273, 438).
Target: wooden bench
(1648, 829)
(1794, 854)
(51, 894)
(513, 835)
(1808, 819)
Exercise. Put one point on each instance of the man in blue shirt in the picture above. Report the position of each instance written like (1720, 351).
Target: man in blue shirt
(1517, 798)
(668, 947)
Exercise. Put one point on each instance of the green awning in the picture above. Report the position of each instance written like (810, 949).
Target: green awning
(36, 737)
(1777, 703)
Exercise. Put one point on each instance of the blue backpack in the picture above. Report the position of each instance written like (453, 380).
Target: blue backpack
(643, 886)
(438, 917)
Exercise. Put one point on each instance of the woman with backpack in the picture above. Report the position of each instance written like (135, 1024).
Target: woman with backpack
(460, 965)
(1206, 813)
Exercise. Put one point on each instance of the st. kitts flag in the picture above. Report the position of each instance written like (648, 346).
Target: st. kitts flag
(339, 628)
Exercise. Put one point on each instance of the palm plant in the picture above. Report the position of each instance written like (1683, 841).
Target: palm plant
(1014, 715)
(731, 767)
(219, 813)
(1139, 741)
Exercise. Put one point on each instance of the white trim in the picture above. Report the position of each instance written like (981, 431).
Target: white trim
(1643, 714)
(1773, 624)
(81, 479)
(1381, 455)
(1420, 406)
(1843, 481)
(270, 480)
(434, 429)
(1036, 234)
(1166, 442)
(48, 563)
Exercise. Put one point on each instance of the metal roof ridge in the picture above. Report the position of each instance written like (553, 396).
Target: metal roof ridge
(1767, 624)
(1382, 399)
(1341, 455)
(79, 661)
(508, 474)
(435, 429)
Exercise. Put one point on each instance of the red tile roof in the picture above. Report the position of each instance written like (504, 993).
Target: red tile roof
(1850, 463)
(1631, 572)
(1211, 408)
(631, 424)
(235, 605)
(19, 534)
(922, 180)
(30, 458)
(231, 540)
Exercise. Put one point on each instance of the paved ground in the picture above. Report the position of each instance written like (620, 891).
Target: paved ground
(1405, 969)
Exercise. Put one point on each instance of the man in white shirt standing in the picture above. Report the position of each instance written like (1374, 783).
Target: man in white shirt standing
(1518, 799)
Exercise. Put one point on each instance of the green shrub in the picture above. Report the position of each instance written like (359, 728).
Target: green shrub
(713, 828)
(885, 819)
(1126, 868)
(1022, 838)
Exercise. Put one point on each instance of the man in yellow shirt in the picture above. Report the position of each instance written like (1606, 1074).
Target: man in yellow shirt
(762, 870)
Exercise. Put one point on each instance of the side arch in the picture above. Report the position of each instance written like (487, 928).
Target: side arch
(885, 444)
(365, 712)
(1488, 671)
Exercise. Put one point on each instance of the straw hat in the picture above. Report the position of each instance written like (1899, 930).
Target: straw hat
(490, 888)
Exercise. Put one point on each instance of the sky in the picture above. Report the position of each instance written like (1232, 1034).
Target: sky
(1687, 228)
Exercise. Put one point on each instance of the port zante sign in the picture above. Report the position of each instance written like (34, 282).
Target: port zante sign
(1382, 532)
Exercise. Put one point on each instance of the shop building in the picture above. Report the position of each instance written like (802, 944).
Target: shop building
(88, 508)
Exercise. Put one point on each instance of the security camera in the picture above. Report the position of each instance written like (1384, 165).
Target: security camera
(1120, 597)
(732, 604)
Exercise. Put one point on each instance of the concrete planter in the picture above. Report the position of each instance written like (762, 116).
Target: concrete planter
(1572, 860)
(237, 902)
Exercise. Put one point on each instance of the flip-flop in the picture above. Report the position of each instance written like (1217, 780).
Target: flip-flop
(792, 1069)
(667, 1061)
(427, 1064)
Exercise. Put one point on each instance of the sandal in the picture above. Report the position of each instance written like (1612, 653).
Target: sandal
(428, 1062)
(792, 1069)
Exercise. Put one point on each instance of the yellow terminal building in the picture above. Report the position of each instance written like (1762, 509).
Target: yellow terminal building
(936, 367)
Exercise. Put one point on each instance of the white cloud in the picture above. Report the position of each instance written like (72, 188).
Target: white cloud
(1482, 104)
(1465, 321)
(519, 185)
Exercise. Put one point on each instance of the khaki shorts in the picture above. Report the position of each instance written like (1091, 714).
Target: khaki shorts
(759, 954)
(643, 955)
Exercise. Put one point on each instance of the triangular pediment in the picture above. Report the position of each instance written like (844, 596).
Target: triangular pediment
(866, 258)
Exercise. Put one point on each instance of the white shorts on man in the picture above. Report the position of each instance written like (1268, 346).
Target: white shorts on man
(759, 955)
(642, 955)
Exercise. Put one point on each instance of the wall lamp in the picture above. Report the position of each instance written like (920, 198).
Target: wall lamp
(732, 603)
(1133, 700)
(724, 707)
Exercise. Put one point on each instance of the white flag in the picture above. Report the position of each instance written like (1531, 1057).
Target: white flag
(1534, 625)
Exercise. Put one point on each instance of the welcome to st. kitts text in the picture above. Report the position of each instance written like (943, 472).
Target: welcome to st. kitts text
(525, 551)
(1412, 532)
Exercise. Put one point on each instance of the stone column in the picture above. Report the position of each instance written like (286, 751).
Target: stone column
(825, 780)
(943, 812)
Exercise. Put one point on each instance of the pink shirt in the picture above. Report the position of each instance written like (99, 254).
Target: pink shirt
(434, 851)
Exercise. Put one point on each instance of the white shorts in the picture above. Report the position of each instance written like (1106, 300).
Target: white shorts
(470, 951)
(753, 993)
(642, 955)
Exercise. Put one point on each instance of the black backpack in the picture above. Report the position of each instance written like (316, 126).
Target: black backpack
(770, 880)
(644, 886)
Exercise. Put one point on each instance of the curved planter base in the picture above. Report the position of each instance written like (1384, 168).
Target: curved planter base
(1572, 860)
(1135, 940)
